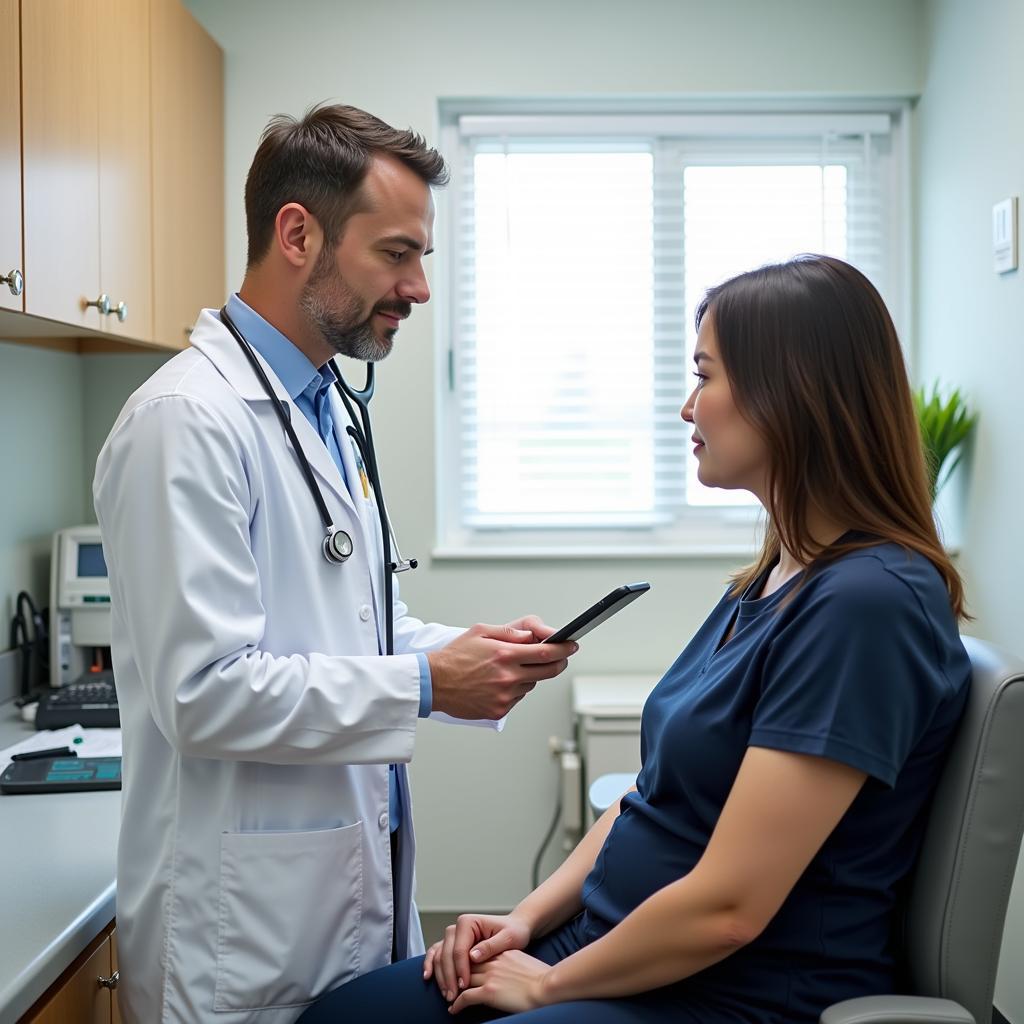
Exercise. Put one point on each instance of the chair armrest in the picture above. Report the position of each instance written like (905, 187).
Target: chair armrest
(896, 1010)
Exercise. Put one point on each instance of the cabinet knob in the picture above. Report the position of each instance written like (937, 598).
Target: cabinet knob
(102, 304)
(14, 280)
(110, 982)
(120, 311)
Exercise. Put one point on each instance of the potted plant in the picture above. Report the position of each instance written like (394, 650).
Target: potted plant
(944, 425)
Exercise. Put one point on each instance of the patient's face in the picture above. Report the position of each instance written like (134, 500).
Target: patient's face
(730, 452)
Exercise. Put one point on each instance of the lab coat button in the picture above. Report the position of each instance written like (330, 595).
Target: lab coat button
(364, 612)
(383, 820)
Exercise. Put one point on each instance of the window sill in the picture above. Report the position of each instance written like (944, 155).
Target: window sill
(689, 553)
(702, 552)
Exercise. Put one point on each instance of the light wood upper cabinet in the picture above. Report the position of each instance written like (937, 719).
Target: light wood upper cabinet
(188, 172)
(10, 155)
(60, 133)
(87, 154)
(117, 192)
(125, 166)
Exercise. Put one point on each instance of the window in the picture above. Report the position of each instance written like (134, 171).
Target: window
(579, 248)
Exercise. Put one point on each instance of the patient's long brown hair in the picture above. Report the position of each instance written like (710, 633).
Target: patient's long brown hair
(816, 368)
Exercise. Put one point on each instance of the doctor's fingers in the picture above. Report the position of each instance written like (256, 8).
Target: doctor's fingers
(510, 633)
(540, 654)
(534, 671)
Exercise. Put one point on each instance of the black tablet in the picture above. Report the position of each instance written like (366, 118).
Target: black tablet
(597, 613)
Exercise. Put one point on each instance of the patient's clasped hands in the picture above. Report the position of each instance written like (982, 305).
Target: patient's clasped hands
(480, 961)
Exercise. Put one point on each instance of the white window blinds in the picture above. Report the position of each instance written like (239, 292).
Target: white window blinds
(581, 246)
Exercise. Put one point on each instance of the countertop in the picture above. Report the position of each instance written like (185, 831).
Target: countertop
(58, 854)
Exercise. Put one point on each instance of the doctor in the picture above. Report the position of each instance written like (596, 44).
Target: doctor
(266, 848)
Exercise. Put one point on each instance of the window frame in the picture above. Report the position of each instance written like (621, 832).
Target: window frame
(699, 532)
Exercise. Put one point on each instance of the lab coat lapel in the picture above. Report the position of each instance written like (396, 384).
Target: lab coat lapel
(365, 504)
(214, 340)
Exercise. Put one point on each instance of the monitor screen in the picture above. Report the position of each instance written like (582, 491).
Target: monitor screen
(90, 560)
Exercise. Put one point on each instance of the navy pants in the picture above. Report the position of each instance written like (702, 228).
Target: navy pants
(399, 993)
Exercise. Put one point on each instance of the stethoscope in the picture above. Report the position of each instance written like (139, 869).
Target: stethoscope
(337, 544)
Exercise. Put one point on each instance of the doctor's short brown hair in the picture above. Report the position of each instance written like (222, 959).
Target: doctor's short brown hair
(320, 162)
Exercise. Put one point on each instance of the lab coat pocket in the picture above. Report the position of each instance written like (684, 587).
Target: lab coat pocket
(289, 915)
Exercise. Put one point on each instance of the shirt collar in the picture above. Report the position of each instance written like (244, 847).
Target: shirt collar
(290, 366)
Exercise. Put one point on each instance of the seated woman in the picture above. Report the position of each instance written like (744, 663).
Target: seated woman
(789, 753)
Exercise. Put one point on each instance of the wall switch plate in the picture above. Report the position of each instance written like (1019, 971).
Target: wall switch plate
(1004, 235)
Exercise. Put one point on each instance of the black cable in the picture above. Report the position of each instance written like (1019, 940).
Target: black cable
(29, 635)
(535, 874)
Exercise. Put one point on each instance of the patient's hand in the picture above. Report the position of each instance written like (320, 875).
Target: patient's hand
(512, 981)
(481, 936)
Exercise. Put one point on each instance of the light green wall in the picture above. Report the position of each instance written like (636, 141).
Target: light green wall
(41, 466)
(107, 380)
(482, 801)
(55, 411)
(970, 154)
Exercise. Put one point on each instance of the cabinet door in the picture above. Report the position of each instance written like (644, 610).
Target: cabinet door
(59, 40)
(188, 172)
(10, 152)
(126, 234)
(81, 999)
(115, 1010)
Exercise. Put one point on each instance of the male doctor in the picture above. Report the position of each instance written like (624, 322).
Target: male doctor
(266, 846)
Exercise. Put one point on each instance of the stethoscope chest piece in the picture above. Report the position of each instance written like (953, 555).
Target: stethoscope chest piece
(337, 545)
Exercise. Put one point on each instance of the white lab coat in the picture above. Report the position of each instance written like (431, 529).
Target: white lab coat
(254, 863)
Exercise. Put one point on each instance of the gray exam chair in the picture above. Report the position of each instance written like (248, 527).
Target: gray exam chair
(953, 925)
(961, 885)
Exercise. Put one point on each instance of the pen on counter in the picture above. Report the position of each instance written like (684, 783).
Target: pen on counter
(34, 755)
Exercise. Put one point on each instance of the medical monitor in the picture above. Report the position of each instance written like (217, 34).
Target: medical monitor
(79, 603)
(81, 568)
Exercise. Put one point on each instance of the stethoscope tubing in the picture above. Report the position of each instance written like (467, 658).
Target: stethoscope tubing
(361, 432)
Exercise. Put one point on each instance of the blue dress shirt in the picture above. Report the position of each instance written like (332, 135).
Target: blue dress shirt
(310, 388)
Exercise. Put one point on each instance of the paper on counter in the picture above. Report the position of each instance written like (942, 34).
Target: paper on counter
(86, 742)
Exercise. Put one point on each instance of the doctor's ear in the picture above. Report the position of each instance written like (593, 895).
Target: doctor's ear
(298, 235)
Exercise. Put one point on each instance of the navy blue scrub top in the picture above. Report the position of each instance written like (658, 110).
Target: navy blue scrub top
(861, 662)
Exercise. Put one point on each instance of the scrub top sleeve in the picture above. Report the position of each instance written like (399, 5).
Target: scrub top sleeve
(852, 674)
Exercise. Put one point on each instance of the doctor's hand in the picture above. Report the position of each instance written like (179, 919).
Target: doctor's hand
(480, 936)
(487, 670)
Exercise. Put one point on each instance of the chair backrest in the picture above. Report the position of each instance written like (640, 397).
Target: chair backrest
(961, 886)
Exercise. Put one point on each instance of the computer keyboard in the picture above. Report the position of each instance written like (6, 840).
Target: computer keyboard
(91, 703)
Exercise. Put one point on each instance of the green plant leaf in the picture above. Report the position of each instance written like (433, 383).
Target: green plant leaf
(944, 425)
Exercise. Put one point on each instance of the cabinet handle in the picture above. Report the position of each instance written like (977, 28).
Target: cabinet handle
(15, 280)
(120, 311)
(102, 304)
(110, 982)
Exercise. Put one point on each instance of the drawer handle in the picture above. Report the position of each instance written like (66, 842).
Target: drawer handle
(15, 280)
(110, 982)
(120, 311)
(102, 304)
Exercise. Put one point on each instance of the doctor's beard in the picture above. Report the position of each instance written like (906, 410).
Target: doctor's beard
(335, 309)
